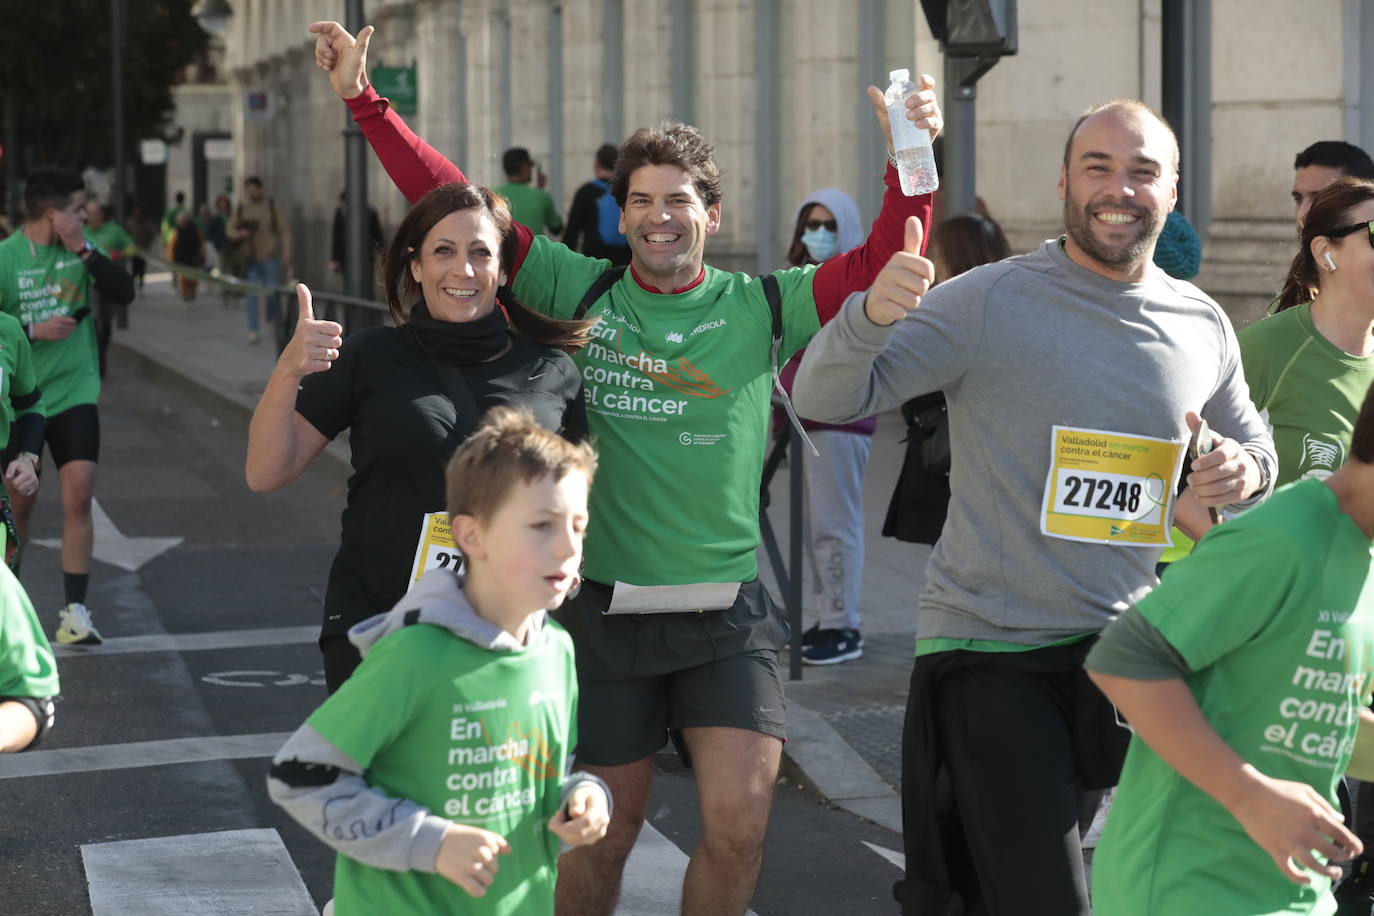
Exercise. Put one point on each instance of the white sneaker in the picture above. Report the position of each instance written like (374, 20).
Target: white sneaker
(253, 337)
(75, 628)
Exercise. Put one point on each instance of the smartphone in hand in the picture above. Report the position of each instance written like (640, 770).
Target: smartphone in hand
(1200, 444)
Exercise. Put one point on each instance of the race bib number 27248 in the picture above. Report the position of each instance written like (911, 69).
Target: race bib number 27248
(1109, 487)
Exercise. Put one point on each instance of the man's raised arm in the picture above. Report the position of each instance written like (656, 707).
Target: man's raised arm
(415, 167)
(856, 269)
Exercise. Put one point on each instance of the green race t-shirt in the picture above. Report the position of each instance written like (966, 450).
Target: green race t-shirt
(112, 239)
(27, 668)
(38, 282)
(476, 736)
(677, 389)
(531, 206)
(1273, 614)
(1309, 389)
(16, 374)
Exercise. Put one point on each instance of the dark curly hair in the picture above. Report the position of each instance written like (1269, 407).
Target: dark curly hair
(669, 143)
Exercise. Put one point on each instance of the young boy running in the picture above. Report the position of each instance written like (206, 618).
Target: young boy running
(440, 770)
(1245, 675)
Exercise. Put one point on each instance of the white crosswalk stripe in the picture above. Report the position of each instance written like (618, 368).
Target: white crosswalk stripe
(243, 871)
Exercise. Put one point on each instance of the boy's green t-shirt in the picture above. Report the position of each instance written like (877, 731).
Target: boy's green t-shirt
(677, 388)
(1273, 614)
(477, 736)
(1309, 389)
(27, 667)
(38, 282)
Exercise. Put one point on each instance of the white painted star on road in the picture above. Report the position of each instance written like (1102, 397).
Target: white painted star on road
(128, 553)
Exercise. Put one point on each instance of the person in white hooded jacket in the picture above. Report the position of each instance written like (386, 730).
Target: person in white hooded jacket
(828, 224)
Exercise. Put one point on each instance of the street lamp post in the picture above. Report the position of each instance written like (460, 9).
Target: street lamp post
(358, 260)
(118, 28)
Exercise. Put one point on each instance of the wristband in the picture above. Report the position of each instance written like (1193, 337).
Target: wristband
(86, 251)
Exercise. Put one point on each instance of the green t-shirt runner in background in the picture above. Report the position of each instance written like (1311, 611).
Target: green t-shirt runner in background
(487, 747)
(531, 206)
(1273, 613)
(677, 388)
(38, 282)
(17, 377)
(1309, 389)
(112, 239)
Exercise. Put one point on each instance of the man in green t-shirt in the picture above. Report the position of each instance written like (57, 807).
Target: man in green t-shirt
(529, 205)
(115, 241)
(48, 271)
(1245, 676)
(451, 742)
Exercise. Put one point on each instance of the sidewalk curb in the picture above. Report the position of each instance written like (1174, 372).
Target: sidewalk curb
(818, 757)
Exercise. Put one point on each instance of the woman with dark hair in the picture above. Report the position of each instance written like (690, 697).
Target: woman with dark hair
(409, 395)
(920, 500)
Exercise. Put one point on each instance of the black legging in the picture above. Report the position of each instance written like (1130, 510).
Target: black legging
(341, 658)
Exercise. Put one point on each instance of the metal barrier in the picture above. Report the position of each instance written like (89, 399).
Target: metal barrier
(350, 311)
(789, 582)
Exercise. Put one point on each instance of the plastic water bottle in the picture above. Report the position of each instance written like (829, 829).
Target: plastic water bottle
(915, 158)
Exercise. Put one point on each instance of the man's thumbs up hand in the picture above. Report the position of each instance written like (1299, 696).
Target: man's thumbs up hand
(315, 345)
(902, 282)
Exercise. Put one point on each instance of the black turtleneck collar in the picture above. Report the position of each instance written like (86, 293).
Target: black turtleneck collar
(461, 341)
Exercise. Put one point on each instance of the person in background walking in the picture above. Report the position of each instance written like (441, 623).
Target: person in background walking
(530, 204)
(260, 230)
(187, 249)
(142, 231)
(594, 218)
(115, 241)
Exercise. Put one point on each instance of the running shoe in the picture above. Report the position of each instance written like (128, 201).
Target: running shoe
(809, 635)
(75, 627)
(834, 646)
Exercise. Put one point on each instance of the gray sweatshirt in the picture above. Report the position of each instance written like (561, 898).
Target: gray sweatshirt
(1019, 347)
(310, 773)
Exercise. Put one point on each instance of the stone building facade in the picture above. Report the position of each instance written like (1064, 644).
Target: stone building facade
(777, 86)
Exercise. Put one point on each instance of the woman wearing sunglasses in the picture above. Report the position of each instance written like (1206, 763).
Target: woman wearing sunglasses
(1310, 363)
(828, 224)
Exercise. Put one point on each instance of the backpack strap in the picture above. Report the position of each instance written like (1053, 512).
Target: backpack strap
(773, 293)
(598, 289)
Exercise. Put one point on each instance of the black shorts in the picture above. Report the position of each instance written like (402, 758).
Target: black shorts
(72, 435)
(645, 677)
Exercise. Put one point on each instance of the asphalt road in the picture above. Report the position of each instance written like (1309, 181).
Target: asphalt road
(149, 792)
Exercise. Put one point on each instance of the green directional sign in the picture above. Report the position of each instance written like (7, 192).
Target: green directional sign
(399, 85)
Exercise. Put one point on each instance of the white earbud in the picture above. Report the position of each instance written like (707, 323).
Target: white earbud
(1330, 264)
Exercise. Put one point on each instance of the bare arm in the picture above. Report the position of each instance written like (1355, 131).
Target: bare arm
(1288, 820)
(282, 443)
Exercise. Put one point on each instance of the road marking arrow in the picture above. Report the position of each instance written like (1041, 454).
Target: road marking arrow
(115, 548)
(896, 858)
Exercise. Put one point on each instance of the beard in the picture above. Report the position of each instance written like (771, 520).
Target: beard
(1079, 222)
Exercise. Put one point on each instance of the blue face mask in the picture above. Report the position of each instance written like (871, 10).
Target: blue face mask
(820, 243)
